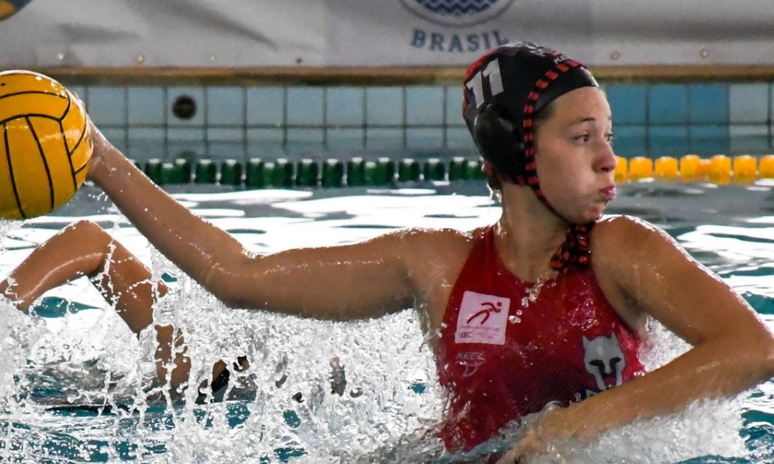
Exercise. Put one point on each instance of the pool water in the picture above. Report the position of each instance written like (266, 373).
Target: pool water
(73, 379)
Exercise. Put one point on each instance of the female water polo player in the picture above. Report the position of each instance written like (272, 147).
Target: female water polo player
(545, 307)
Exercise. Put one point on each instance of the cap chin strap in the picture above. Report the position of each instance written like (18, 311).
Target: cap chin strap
(575, 248)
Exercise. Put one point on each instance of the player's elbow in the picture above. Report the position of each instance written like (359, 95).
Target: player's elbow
(758, 351)
(234, 297)
(227, 282)
(767, 364)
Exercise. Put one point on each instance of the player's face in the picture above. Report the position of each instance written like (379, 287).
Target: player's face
(574, 156)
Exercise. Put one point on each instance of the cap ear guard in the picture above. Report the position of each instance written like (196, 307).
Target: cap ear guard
(500, 142)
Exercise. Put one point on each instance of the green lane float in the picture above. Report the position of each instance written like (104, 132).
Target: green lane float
(434, 170)
(254, 176)
(152, 169)
(380, 172)
(231, 172)
(408, 170)
(458, 168)
(332, 173)
(278, 173)
(206, 172)
(355, 172)
(307, 173)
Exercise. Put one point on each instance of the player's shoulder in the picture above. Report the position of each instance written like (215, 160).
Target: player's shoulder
(616, 240)
(439, 245)
(441, 238)
(623, 229)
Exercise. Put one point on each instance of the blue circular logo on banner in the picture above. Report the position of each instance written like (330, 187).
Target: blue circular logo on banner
(457, 13)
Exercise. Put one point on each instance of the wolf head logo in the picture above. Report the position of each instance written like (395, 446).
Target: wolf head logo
(604, 360)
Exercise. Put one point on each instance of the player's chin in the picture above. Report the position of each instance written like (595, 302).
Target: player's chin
(585, 213)
(591, 214)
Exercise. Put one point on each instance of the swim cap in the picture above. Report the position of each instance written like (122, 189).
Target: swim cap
(504, 89)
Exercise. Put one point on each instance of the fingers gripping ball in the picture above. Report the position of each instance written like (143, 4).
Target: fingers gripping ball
(44, 145)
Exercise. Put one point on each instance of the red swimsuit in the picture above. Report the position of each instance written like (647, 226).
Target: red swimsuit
(502, 356)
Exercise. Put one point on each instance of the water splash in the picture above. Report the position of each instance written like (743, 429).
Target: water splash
(706, 429)
(391, 401)
(391, 391)
(533, 291)
(94, 377)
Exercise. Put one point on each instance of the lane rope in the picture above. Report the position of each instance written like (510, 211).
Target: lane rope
(257, 173)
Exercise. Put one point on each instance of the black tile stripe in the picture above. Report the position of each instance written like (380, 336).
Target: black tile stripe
(45, 163)
(10, 171)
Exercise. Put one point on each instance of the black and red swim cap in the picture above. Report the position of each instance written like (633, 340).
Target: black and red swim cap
(504, 89)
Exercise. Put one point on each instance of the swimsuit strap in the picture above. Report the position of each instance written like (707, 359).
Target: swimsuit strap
(575, 248)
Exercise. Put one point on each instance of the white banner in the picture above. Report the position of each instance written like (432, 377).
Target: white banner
(260, 33)
(596, 32)
(165, 33)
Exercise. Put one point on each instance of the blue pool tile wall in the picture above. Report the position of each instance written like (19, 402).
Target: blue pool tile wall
(650, 119)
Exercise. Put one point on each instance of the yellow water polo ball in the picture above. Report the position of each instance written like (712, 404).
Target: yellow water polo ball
(44, 145)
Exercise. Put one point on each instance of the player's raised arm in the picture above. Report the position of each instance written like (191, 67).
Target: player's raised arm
(340, 283)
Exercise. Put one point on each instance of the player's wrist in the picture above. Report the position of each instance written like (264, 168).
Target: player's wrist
(104, 158)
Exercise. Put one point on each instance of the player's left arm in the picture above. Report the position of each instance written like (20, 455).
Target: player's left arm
(643, 270)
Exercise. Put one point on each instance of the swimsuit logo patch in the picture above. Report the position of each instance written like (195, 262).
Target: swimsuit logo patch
(482, 319)
(604, 360)
(470, 361)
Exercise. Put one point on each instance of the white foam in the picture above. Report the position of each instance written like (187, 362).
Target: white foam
(94, 356)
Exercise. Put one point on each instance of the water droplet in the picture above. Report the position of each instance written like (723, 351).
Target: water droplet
(72, 395)
(514, 319)
(519, 312)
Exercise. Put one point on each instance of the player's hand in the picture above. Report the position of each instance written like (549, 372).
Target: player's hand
(102, 148)
(555, 426)
(530, 444)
